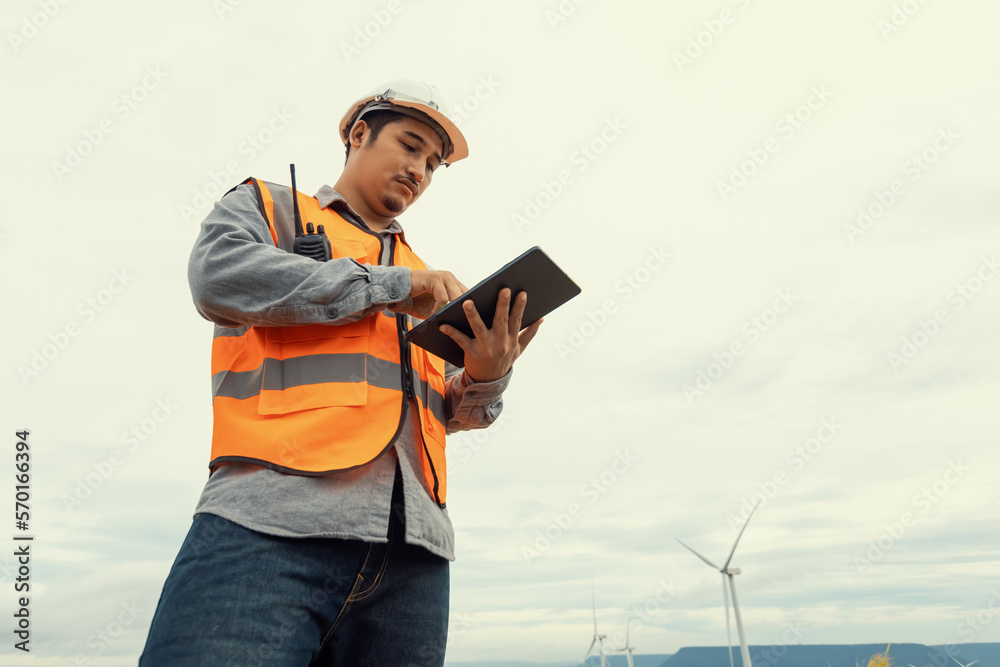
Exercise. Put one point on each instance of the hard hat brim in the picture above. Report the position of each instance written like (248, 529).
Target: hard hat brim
(459, 146)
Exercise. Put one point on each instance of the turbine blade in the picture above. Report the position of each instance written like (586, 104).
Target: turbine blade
(592, 642)
(714, 566)
(593, 602)
(740, 535)
(964, 665)
(628, 625)
(729, 634)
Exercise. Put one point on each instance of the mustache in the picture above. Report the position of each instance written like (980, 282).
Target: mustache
(410, 183)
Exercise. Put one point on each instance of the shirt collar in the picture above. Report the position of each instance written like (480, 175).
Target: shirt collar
(330, 198)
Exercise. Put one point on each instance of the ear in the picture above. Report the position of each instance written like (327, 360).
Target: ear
(357, 135)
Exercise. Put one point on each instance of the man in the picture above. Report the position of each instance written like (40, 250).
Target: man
(322, 537)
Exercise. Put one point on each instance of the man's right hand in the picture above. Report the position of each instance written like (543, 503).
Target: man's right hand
(431, 291)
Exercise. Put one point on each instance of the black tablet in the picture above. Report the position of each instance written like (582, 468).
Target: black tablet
(533, 272)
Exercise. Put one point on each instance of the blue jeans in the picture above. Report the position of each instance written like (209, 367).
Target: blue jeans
(238, 597)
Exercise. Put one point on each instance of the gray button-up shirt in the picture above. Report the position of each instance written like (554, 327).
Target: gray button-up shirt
(238, 277)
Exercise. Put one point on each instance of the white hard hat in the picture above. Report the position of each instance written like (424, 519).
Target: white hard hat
(411, 98)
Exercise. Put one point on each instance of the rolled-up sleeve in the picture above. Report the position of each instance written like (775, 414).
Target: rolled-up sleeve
(238, 276)
(471, 405)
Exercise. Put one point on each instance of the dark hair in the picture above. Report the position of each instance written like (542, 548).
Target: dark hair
(375, 120)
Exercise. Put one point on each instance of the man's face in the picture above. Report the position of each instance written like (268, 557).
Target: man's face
(395, 170)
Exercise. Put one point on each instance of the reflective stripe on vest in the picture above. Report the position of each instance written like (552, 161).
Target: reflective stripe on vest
(317, 399)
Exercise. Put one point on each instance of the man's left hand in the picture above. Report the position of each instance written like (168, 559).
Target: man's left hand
(491, 353)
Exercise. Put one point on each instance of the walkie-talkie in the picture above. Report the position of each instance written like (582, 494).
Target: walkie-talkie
(310, 243)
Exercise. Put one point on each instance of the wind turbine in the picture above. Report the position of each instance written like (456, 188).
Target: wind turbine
(598, 638)
(627, 649)
(962, 665)
(729, 572)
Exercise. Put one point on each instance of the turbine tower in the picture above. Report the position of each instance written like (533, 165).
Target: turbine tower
(598, 638)
(728, 572)
(627, 649)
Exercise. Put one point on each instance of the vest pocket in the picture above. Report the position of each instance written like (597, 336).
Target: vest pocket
(305, 368)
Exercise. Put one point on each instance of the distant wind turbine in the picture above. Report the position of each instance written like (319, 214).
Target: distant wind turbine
(627, 649)
(968, 665)
(598, 638)
(729, 572)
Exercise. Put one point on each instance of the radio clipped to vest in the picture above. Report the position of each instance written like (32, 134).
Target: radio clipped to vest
(313, 242)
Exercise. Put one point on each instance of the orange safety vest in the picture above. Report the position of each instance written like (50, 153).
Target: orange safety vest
(316, 399)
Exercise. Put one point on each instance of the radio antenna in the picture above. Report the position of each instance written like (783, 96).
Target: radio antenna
(295, 203)
(311, 243)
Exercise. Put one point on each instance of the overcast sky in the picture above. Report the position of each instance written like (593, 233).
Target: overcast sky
(783, 217)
